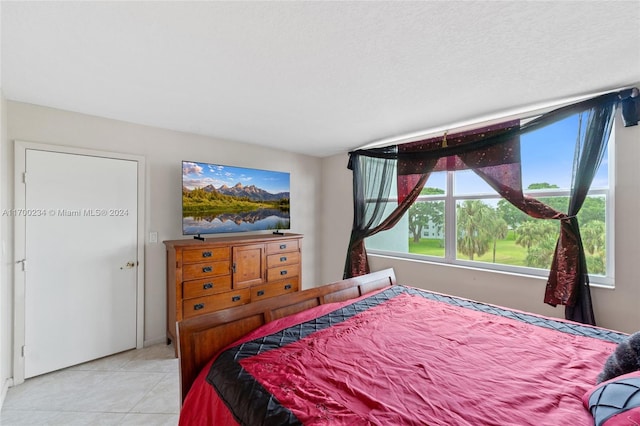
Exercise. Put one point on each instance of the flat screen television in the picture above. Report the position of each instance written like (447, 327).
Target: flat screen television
(221, 199)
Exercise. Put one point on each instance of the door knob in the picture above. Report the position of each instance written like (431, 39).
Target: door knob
(129, 265)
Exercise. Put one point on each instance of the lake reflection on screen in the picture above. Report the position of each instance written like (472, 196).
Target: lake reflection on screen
(254, 220)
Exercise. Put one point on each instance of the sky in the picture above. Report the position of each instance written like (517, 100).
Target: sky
(546, 156)
(198, 175)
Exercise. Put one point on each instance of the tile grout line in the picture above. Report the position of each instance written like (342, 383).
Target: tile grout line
(148, 393)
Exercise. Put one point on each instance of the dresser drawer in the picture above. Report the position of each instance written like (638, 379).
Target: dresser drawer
(282, 272)
(205, 287)
(205, 270)
(206, 254)
(283, 246)
(203, 305)
(275, 260)
(275, 289)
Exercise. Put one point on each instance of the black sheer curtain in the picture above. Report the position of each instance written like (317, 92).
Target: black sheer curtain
(372, 183)
(590, 150)
(493, 153)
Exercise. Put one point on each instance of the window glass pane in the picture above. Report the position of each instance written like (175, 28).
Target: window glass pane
(426, 228)
(593, 231)
(496, 233)
(467, 182)
(395, 239)
(538, 238)
(560, 204)
(547, 156)
(491, 231)
(436, 184)
(483, 235)
(601, 179)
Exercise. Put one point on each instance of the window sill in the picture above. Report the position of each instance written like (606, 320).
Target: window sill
(540, 275)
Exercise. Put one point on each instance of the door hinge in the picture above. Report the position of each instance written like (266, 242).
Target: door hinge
(24, 177)
(22, 351)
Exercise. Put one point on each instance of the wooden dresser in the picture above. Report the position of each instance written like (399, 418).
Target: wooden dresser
(206, 276)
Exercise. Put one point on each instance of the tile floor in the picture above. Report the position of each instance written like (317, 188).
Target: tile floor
(137, 387)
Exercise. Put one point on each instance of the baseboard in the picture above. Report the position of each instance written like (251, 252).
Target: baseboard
(5, 388)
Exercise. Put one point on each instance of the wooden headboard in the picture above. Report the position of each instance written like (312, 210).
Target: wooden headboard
(201, 337)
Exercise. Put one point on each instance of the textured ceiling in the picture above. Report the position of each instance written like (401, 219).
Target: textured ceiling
(317, 78)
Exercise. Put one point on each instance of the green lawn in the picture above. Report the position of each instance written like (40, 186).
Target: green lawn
(507, 252)
(428, 246)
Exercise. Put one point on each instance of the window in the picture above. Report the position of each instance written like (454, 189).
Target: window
(459, 219)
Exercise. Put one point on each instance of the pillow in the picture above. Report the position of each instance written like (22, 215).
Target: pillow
(625, 359)
(615, 402)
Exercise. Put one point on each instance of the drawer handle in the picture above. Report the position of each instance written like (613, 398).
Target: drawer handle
(198, 306)
(207, 269)
(283, 246)
(235, 298)
(283, 259)
(287, 287)
(207, 286)
(260, 292)
(206, 254)
(283, 272)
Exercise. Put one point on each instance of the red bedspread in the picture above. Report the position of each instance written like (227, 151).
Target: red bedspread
(411, 360)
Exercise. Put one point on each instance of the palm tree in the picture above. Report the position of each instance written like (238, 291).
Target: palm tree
(593, 236)
(498, 229)
(510, 213)
(594, 239)
(474, 218)
(597, 264)
(539, 237)
(541, 255)
(526, 234)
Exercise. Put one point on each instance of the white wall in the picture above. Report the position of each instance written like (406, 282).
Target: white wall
(337, 216)
(617, 309)
(6, 331)
(163, 151)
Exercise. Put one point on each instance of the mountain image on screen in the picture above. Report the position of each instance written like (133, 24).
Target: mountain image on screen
(218, 198)
(251, 192)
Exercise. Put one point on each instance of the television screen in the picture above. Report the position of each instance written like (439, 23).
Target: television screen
(218, 198)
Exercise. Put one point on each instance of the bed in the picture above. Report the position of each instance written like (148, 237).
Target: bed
(367, 350)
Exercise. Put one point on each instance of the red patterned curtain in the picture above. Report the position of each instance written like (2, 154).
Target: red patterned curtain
(493, 153)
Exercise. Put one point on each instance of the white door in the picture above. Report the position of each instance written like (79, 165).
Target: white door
(81, 258)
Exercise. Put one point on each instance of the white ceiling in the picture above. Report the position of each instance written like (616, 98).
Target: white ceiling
(317, 78)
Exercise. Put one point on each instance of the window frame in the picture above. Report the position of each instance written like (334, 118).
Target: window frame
(450, 227)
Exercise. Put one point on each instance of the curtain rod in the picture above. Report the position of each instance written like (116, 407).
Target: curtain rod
(531, 110)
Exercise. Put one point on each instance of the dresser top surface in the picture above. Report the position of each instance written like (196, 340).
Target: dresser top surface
(241, 239)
